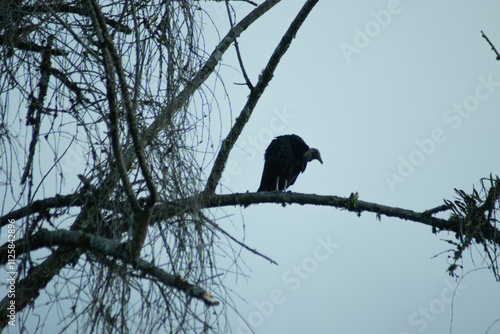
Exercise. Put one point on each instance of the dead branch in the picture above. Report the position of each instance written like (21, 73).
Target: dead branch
(37, 105)
(255, 94)
(491, 44)
(107, 247)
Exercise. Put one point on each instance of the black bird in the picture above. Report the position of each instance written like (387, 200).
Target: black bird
(286, 157)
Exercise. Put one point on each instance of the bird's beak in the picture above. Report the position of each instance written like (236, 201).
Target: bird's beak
(320, 160)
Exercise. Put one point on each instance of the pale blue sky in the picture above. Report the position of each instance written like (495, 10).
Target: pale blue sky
(394, 100)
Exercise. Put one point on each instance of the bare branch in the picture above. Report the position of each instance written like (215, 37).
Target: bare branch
(43, 206)
(76, 240)
(63, 8)
(238, 54)
(19, 43)
(207, 69)
(105, 40)
(29, 288)
(491, 44)
(347, 203)
(255, 94)
(142, 216)
(438, 209)
(107, 247)
(37, 104)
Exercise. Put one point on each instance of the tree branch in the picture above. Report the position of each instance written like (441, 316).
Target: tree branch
(44, 7)
(39, 276)
(44, 205)
(238, 54)
(77, 240)
(37, 279)
(255, 94)
(109, 67)
(111, 58)
(208, 68)
(37, 104)
(491, 44)
(17, 42)
(346, 203)
(29, 288)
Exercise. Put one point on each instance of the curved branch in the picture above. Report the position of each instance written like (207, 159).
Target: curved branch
(348, 203)
(491, 44)
(42, 206)
(106, 247)
(238, 54)
(110, 67)
(111, 59)
(256, 93)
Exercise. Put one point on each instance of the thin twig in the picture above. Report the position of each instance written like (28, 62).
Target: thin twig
(37, 104)
(238, 54)
(206, 219)
(491, 44)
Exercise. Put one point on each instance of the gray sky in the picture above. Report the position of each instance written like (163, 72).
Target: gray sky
(402, 99)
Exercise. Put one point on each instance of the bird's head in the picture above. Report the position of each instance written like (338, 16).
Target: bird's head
(312, 154)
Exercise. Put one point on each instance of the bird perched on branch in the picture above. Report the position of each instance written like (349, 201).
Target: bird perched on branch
(286, 157)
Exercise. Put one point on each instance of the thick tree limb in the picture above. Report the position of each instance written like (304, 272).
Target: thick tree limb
(41, 275)
(78, 240)
(108, 247)
(42, 206)
(349, 203)
(202, 201)
(29, 288)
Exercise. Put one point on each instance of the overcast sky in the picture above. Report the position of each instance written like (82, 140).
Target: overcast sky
(402, 99)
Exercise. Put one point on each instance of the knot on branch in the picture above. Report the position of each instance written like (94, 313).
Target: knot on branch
(352, 203)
